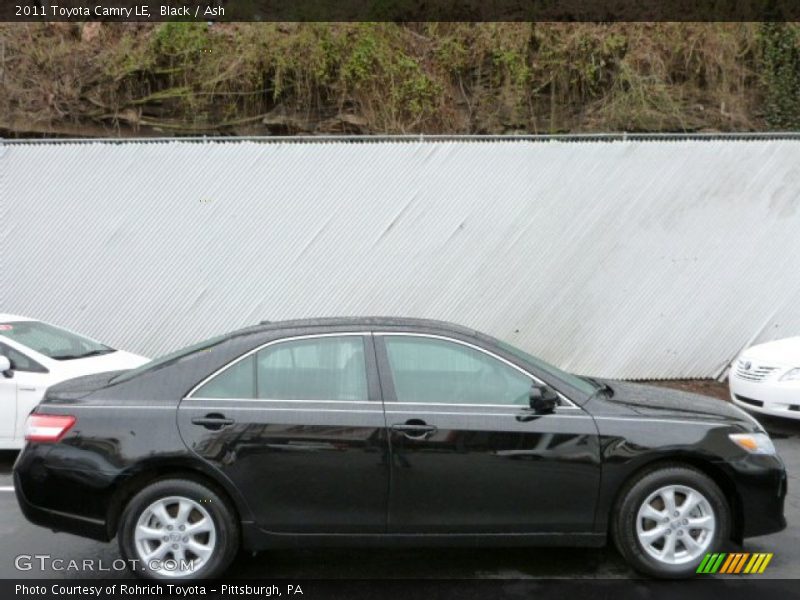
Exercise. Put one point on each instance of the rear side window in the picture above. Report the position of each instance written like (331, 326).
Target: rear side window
(238, 381)
(325, 368)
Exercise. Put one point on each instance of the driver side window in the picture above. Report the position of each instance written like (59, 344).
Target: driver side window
(20, 362)
(431, 370)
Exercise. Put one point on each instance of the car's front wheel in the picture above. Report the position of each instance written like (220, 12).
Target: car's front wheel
(668, 519)
(178, 529)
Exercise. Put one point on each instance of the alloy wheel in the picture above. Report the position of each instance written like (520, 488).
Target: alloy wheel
(675, 524)
(175, 536)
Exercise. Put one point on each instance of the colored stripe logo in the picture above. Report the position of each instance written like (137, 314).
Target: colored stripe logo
(735, 563)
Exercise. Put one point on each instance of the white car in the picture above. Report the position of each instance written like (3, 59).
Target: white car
(35, 355)
(766, 378)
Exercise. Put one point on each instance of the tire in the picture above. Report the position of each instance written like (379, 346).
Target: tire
(151, 524)
(644, 538)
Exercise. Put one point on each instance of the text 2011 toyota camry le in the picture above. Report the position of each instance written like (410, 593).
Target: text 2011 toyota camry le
(393, 431)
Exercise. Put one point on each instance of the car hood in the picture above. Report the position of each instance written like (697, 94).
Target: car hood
(113, 361)
(655, 401)
(779, 352)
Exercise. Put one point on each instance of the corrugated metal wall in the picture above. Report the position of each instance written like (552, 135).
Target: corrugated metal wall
(632, 259)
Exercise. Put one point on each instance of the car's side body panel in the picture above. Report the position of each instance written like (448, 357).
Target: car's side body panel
(110, 444)
(306, 466)
(637, 433)
(490, 467)
(303, 469)
(493, 470)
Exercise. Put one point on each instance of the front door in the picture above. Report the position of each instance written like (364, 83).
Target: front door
(8, 407)
(468, 455)
(298, 427)
(19, 394)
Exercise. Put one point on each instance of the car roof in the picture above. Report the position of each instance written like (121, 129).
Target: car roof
(355, 322)
(7, 317)
(332, 322)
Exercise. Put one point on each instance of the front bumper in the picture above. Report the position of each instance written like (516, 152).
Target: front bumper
(778, 399)
(761, 489)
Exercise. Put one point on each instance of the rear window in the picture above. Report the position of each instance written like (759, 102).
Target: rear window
(52, 341)
(171, 357)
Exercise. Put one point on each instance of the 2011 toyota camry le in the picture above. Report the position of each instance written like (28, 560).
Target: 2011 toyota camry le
(389, 431)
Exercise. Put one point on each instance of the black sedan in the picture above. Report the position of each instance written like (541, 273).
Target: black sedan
(389, 431)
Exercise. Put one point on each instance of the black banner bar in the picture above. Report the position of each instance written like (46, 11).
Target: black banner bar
(739, 588)
(399, 10)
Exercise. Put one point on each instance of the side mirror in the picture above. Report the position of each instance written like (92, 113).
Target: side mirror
(5, 367)
(543, 400)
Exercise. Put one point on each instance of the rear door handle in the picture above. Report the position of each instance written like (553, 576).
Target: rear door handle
(213, 421)
(415, 429)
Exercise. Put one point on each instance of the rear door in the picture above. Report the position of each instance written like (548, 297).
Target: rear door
(298, 426)
(468, 454)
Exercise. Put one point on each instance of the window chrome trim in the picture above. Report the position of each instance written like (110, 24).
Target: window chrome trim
(484, 414)
(370, 402)
(114, 406)
(635, 419)
(376, 411)
(271, 343)
(569, 403)
(279, 400)
(400, 404)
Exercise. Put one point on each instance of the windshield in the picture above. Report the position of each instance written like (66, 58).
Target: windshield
(172, 356)
(574, 380)
(52, 341)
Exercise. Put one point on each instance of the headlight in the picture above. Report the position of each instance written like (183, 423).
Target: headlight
(792, 375)
(754, 443)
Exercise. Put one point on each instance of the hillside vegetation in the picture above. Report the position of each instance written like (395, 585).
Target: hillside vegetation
(282, 79)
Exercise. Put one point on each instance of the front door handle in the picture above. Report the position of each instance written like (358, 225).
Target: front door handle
(213, 421)
(415, 429)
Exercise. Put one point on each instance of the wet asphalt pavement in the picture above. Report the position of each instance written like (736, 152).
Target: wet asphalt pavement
(18, 537)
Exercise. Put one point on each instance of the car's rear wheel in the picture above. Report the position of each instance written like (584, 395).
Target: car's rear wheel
(178, 529)
(668, 519)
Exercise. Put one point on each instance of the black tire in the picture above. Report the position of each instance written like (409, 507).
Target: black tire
(634, 495)
(226, 530)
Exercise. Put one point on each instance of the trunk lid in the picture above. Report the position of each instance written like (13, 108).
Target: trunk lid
(78, 387)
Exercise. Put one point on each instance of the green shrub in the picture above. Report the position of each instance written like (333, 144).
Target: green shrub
(780, 74)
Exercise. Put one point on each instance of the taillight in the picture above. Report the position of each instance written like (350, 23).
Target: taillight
(47, 428)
